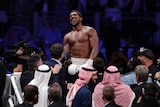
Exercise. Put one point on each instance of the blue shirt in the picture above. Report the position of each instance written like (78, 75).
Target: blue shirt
(130, 78)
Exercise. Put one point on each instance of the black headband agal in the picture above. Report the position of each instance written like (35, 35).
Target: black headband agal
(88, 69)
(111, 72)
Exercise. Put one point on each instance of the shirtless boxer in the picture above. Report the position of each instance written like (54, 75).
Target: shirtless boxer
(81, 43)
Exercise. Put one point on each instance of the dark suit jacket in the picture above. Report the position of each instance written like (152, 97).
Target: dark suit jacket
(112, 104)
(83, 98)
(60, 76)
(57, 104)
(147, 102)
(138, 91)
(26, 77)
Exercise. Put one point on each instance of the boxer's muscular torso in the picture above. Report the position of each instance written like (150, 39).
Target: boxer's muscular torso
(82, 43)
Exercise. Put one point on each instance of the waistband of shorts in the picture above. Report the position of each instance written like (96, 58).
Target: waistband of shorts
(79, 61)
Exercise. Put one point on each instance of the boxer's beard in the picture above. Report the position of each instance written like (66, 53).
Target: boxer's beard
(75, 25)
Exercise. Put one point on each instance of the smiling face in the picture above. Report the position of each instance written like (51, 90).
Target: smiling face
(75, 18)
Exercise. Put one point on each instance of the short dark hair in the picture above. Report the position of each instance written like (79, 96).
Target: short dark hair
(150, 89)
(55, 92)
(99, 64)
(32, 61)
(29, 92)
(79, 13)
(56, 50)
(108, 93)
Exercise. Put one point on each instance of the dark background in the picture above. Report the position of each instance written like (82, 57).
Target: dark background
(123, 25)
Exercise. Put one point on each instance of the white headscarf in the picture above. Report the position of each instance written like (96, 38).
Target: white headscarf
(41, 79)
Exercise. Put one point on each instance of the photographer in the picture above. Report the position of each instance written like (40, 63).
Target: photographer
(18, 55)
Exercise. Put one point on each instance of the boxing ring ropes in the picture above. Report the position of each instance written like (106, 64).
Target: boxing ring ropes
(12, 94)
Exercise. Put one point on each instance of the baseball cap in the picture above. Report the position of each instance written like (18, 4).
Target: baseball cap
(146, 52)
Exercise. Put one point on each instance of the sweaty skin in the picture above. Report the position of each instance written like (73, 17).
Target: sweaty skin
(82, 41)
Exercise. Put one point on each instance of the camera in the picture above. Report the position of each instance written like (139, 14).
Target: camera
(11, 54)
